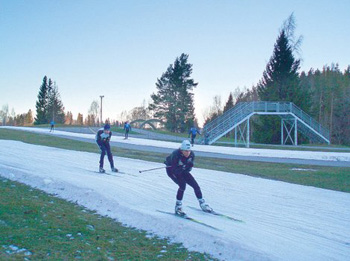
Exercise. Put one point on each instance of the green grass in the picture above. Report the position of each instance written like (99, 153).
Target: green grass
(38, 226)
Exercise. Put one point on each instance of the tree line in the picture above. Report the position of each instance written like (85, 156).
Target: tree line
(322, 93)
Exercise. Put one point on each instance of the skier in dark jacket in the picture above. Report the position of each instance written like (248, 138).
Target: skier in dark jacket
(179, 164)
(192, 133)
(103, 136)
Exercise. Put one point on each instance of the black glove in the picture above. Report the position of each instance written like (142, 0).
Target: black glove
(188, 166)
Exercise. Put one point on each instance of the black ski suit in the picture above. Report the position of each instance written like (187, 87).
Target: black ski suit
(102, 140)
(178, 169)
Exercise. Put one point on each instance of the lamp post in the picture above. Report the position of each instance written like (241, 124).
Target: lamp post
(101, 96)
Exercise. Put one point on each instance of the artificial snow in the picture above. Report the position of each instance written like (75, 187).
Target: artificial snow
(282, 221)
(273, 153)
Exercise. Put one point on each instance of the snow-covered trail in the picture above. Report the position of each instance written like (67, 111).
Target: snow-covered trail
(281, 221)
(273, 153)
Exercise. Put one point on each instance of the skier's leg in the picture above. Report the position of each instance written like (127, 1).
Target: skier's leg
(109, 155)
(103, 153)
(182, 187)
(193, 183)
(197, 190)
(179, 196)
(171, 175)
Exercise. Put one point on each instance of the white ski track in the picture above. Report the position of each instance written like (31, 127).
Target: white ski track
(282, 221)
(275, 153)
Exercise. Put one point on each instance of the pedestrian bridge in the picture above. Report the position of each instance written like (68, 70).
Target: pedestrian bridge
(293, 120)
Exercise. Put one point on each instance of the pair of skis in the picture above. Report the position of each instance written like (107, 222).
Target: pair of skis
(201, 222)
(188, 218)
(218, 214)
(115, 174)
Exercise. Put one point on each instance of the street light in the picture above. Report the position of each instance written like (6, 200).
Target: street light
(101, 96)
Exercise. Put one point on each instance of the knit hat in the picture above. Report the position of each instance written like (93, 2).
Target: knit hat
(107, 127)
(185, 145)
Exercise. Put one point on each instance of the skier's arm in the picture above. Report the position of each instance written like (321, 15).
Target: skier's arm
(109, 137)
(98, 137)
(189, 164)
(175, 159)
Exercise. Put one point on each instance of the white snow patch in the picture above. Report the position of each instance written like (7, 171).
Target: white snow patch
(281, 221)
(294, 154)
(301, 169)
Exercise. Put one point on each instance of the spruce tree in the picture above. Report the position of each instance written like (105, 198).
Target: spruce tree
(173, 102)
(55, 107)
(280, 82)
(41, 104)
(229, 103)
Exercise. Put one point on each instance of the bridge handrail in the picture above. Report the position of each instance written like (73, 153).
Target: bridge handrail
(244, 109)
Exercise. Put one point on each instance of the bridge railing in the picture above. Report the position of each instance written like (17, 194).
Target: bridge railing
(223, 123)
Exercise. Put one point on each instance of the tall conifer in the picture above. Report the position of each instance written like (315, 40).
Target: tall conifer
(173, 102)
(41, 104)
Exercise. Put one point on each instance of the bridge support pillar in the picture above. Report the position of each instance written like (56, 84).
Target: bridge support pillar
(288, 125)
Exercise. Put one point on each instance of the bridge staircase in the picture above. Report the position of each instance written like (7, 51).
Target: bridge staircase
(293, 119)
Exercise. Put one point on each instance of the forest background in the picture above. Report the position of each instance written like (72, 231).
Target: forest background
(322, 93)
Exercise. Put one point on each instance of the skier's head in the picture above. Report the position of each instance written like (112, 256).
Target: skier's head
(107, 127)
(185, 145)
(186, 148)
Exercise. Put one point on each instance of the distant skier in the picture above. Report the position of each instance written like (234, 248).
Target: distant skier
(179, 164)
(127, 128)
(52, 125)
(103, 136)
(192, 133)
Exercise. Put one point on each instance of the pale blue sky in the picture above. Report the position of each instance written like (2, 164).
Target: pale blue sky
(119, 48)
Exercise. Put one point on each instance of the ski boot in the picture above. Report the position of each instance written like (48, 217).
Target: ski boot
(101, 170)
(178, 209)
(114, 169)
(204, 206)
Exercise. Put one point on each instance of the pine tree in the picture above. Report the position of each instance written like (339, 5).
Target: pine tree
(41, 104)
(69, 118)
(229, 103)
(173, 102)
(55, 109)
(80, 119)
(28, 118)
(280, 82)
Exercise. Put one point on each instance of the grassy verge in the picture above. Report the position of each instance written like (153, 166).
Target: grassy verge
(37, 226)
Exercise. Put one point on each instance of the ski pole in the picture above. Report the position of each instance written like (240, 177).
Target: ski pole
(151, 169)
